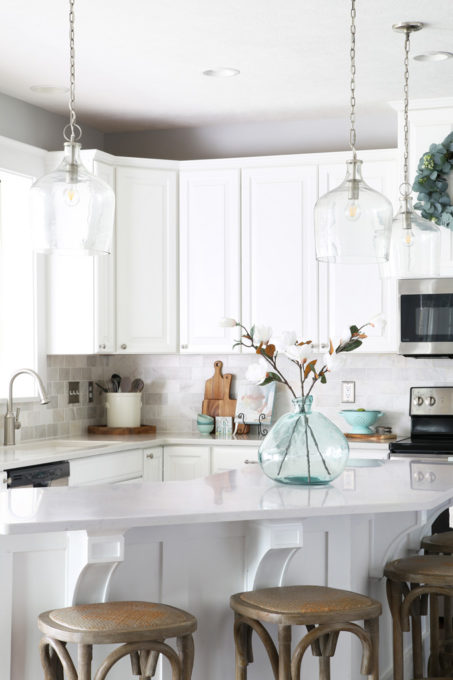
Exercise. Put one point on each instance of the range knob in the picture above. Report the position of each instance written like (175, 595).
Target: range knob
(430, 401)
(417, 401)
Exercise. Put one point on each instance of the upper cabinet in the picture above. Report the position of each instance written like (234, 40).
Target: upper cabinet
(353, 294)
(279, 269)
(210, 274)
(146, 265)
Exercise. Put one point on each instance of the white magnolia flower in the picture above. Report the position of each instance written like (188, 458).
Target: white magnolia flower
(285, 340)
(345, 334)
(333, 361)
(299, 353)
(379, 322)
(256, 372)
(226, 322)
(262, 334)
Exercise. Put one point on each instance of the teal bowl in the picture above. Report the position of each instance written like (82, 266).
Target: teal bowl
(202, 418)
(205, 428)
(361, 421)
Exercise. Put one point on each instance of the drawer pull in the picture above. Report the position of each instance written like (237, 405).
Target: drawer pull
(123, 346)
(150, 455)
(250, 462)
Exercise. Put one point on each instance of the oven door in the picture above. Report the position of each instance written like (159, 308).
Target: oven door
(426, 317)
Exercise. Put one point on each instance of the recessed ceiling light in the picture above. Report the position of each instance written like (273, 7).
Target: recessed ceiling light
(222, 72)
(48, 89)
(433, 56)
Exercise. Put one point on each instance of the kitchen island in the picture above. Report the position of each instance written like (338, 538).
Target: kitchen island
(193, 543)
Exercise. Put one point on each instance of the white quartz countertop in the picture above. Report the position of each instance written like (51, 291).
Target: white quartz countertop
(47, 450)
(235, 495)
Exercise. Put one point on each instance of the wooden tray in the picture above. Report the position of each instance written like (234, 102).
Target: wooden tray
(103, 429)
(370, 437)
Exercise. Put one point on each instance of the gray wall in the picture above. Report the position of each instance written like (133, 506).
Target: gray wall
(374, 131)
(33, 125)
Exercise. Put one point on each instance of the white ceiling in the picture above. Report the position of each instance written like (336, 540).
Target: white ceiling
(139, 63)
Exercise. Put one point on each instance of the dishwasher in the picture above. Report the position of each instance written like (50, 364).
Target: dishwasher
(44, 475)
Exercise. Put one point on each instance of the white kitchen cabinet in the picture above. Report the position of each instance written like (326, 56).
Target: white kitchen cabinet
(232, 457)
(279, 269)
(210, 275)
(146, 282)
(353, 294)
(80, 291)
(186, 462)
(108, 468)
(153, 464)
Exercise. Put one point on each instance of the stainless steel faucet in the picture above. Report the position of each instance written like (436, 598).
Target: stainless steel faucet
(11, 420)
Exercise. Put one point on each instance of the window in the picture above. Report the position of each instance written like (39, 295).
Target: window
(18, 289)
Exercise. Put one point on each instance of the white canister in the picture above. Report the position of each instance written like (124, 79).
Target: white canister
(123, 409)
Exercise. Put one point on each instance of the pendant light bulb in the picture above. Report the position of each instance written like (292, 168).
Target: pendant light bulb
(72, 209)
(353, 221)
(415, 242)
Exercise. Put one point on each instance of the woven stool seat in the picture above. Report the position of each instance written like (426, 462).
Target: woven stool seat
(139, 628)
(438, 543)
(300, 605)
(112, 622)
(326, 612)
(435, 570)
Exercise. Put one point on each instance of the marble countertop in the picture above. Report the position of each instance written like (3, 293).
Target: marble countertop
(235, 495)
(47, 450)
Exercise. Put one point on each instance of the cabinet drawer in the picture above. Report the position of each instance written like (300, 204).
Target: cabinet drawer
(108, 468)
(232, 457)
(186, 462)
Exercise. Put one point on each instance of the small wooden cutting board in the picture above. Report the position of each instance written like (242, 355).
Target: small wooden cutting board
(217, 401)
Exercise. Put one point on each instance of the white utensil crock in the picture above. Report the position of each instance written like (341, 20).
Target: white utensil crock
(123, 409)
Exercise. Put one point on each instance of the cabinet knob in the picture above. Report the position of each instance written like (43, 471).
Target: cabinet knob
(124, 346)
(184, 346)
(103, 346)
(150, 455)
(250, 462)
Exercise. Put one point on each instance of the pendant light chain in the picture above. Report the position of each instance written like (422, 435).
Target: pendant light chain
(352, 132)
(75, 131)
(405, 187)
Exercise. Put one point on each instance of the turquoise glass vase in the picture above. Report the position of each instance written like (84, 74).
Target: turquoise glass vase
(304, 447)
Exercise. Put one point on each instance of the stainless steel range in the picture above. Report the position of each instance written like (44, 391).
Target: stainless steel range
(431, 412)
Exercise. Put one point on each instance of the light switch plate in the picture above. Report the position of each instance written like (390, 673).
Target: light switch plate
(74, 392)
(348, 391)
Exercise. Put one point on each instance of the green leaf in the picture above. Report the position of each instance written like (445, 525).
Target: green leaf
(354, 329)
(271, 377)
(236, 344)
(323, 379)
(350, 346)
(252, 331)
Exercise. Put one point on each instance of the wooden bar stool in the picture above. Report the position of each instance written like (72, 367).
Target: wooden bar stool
(141, 629)
(410, 583)
(324, 611)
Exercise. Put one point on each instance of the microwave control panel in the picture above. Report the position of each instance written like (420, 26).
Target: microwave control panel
(431, 401)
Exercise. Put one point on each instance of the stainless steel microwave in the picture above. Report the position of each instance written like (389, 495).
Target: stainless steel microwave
(426, 317)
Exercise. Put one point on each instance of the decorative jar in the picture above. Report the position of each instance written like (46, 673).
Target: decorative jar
(304, 447)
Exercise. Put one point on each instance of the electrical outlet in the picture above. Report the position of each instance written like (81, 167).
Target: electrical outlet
(90, 391)
(348, 391)
(74, 392)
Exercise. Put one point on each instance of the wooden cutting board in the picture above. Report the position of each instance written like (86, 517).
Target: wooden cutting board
(103, 429)
(217, 401)
(370, 437)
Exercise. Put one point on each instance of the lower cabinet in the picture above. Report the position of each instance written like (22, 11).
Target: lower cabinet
(109, 468)
(152, 464)
(232, 457)
(186, 462)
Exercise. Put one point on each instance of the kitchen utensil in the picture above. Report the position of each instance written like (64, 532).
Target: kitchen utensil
(361, 421)
(116, 382)
(126, 385)
(137, 385)
(217, 401)
(102, 387)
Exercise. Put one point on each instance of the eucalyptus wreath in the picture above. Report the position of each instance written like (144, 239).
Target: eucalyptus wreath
(431, 183)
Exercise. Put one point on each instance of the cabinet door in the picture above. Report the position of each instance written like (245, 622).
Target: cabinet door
(146, 248)
(233, 457)
(152, 465)
(107, 468)
(353, 294)
(80, 295)
(279, 270)
(186, 462)
(210, 258)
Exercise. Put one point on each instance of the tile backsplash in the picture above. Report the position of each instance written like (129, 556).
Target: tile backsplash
(174, 388)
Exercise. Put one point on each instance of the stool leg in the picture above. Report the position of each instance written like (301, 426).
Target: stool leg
(417, 644)
(284, 652)
(186, 654)
(394, 596)
(372, 628)
(434, 666)
(84, 657)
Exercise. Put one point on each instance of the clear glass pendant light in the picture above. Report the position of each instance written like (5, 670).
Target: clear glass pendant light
(353, 221)
(415, 242)
(72, 210)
